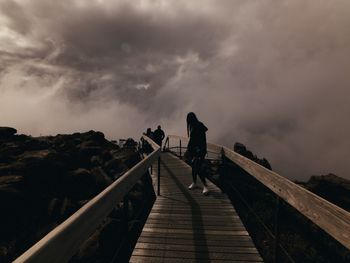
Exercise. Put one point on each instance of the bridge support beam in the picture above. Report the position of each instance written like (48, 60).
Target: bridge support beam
(126, 209)
(158, 177)
(180, 150)
(276, 231)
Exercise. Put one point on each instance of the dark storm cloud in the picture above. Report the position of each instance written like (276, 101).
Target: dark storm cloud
(134, 46)
(271, 74)
(97, 34)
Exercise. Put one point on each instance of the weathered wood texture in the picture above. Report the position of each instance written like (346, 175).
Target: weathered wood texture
(331, 218)
(186, 226)
(61, 243)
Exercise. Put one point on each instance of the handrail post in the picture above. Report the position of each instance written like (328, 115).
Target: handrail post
(158, 181)
(165, 144)
(223, 156)
(180, 149)
(276, 231)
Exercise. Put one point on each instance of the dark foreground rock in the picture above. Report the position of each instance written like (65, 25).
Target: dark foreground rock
(7, 132)
(44, 180)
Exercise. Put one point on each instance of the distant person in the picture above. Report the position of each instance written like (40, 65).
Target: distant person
(145, 146)
(196, 149)
(149, 133)
(159, 135)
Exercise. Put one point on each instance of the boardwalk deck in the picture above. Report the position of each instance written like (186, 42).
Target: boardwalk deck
(186, 226)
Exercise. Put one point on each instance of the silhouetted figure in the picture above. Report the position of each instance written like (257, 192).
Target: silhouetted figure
(149, 133)
(159, 135)
(145, 146)
(196, 149)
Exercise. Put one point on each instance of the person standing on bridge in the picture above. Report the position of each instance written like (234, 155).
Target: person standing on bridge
(197, 149)
(159, 135)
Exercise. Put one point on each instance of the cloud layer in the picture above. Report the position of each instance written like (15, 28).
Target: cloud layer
(273, 75)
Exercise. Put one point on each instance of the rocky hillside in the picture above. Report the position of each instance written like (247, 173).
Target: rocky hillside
(242, 150)
(330, 187)
(43, 180)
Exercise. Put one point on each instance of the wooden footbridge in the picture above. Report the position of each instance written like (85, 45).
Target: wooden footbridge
(184, 225)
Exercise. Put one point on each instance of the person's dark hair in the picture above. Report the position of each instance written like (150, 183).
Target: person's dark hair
(159, 127)
(191, 120)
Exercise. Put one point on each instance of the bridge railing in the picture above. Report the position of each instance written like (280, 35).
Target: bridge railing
(62, 242)
(334, 220)
(178, 145)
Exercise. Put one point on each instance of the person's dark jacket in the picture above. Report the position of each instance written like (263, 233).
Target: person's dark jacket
(197, 145)
(158, 136)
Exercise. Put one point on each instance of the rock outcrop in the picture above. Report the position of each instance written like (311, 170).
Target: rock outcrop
(43, 180)
(7, 132)
(332, 188)
(242, 150)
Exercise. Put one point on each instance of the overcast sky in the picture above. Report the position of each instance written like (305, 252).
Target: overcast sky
(273, 75)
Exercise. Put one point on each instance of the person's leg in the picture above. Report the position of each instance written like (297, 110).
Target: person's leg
(201, 174)
(202, 177)
(194, 173)
(200, 171)
(197, 169)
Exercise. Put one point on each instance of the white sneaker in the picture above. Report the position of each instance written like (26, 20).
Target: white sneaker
(205, 190)
(193, 185)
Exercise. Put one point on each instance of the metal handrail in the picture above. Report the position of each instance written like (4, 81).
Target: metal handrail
(332, 219)
(211, 148)
(185, 148)
(62, 242)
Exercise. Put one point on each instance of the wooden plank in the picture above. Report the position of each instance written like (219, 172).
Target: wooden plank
(159, 215)
(195, 227)
(191, 231)
(189, 211)
(148, 259)
(164, 203)
(186, 226)
(241, 242)
(199, 255)
(226, 223)
(205, 208)
(197, 237)
(181, 199)
(189, 248)
(170, 221)
(189, 216)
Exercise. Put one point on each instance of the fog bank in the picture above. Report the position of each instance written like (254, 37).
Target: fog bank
(273, 75)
